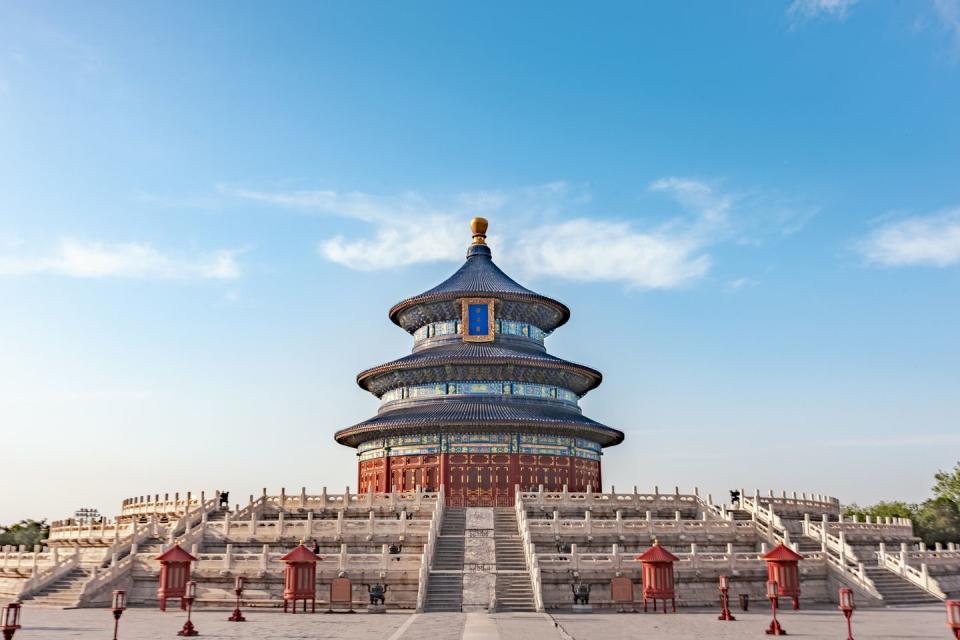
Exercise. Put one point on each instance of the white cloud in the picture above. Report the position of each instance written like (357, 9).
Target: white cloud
(932, 240)
(78, 259)
(438, 238)
(556, 239)
(800, 10)
(597, 250)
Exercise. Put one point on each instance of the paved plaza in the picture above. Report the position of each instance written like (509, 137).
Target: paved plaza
(144, 624)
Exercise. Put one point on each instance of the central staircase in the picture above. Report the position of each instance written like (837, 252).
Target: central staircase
(513, 591)
(445, 585)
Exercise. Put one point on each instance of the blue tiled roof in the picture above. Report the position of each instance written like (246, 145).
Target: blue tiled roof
(481, 414)
(480, 277)
(484, 354)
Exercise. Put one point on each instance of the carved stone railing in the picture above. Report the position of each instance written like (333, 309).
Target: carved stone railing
(166, 506)
(529, 554)
(589, 527)
(794, 504)
(840, 556)
(269, 561)
(390, 502)
(339, 528)
(694, 560)
(656, 501)
(899, 563)
(98, 534)
(426, 560)
(40, 579)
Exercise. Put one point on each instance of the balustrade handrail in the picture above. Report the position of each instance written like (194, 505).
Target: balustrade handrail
(41, 579)
(426, 560)
(896, 562)
(529, 552)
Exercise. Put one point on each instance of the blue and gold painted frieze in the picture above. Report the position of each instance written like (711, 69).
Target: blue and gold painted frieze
(481, 387)
(454, 327)
(433, 444)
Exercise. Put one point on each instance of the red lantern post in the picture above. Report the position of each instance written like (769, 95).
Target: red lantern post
(118, 605)
(953, 617)
(725, 600)
(238, 590)
(657, 565)
(10, 619)
(300, 578)
(773, 595)
(174, 575)
(782, 568)
(846, 605)
(190, 595)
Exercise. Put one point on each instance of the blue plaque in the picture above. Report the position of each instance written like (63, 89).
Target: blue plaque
(478, 320)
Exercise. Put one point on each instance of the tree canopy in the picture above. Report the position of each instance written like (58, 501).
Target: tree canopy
(935, 520)
(25, 532)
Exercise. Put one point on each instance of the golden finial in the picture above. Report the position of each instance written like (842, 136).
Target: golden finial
(479, 228)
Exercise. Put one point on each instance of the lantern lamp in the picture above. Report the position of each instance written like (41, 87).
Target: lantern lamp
(846, 599)
(118, 603)
(773, 590)
(190, 594)
(953, 616)
(10, 619)
(846, 605)
(237, 616)
(725, 599)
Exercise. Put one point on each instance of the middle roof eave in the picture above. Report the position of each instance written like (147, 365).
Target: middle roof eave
(481, 354)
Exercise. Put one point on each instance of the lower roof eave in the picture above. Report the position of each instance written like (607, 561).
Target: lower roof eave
(356, 435)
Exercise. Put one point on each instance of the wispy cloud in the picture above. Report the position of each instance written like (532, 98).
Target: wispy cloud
(931, 240)
(803, 10)
(948, 13)
(559, 241)
(913, 440)
(79, 259)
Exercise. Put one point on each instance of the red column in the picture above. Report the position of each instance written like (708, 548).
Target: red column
(444, 478)
(514, 475)
(388, 488)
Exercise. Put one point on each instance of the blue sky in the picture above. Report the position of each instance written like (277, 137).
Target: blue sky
(752, 209)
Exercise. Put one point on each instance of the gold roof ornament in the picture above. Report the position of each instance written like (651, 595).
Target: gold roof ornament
(479, 228)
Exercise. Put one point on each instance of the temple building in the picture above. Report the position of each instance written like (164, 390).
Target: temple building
(479, 406)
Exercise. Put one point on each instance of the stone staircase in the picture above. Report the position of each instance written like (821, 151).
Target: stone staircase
(513, 590)
(445, 586)
(63, 594)
(897, 591)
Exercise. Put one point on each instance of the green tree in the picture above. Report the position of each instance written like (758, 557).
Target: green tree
(896, 509)
(938, 520)
(948, 484)
(25, 532)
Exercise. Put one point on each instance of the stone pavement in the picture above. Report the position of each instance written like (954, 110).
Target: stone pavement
(148, 624)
